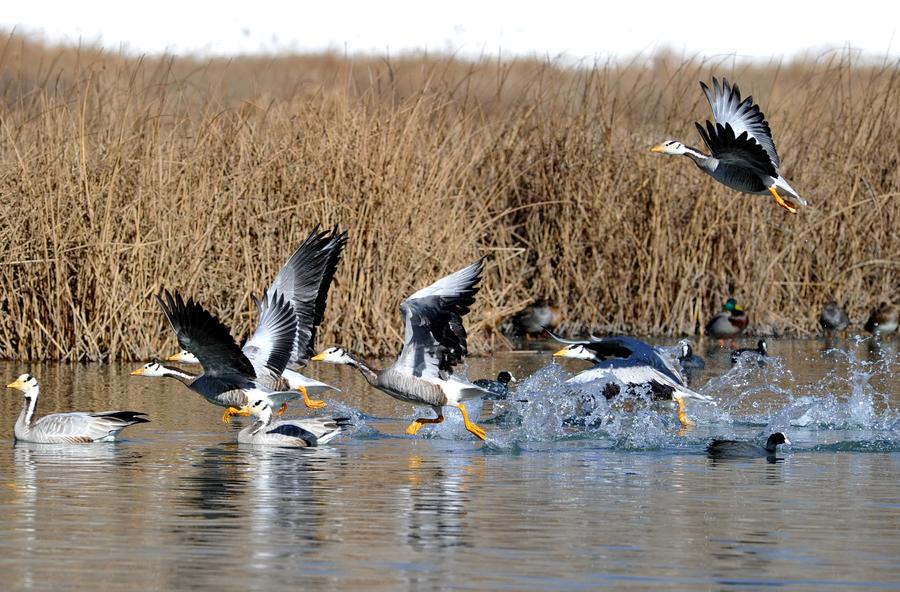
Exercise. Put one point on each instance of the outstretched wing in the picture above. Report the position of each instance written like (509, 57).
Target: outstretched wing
(739, 150)
(202, 334)
(744, 116)
(434, 335)
(269, 347)
(304, 281)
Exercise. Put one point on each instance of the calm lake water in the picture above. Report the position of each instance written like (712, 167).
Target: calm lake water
(567, 494)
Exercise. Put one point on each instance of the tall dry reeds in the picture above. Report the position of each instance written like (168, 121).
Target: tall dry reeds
(120, 176)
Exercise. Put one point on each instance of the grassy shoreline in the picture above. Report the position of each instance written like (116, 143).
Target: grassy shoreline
(120, 176)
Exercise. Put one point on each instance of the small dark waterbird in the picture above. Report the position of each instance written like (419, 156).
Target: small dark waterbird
(738, 449)
(758, 353)
(833, 318)
(499, 388)
(884, 320)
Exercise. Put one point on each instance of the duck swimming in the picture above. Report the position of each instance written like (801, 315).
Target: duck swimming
(730, 322)
(737, 449)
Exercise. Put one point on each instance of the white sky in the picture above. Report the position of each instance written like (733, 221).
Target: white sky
(758, 29)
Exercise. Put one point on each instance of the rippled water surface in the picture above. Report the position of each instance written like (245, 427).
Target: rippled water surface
(568, 493)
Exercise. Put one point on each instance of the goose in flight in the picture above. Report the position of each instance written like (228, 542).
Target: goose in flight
(67, 428)
(634, 363)
(434, 342)
(304, 282)
(230, 379)
(742, 151)
(290, 432)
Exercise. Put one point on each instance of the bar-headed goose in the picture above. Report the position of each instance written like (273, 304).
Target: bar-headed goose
(634, 363)
(67, 428)
(290, 432)
(229, 378)
(743, 154)
(304, 282)
(434, 342)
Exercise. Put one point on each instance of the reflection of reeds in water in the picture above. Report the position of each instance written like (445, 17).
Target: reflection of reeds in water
(120, 176)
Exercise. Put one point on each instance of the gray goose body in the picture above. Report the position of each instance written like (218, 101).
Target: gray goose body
(67, 428)
(229, 378)
(742, 151)
(633, 363)
(304, 282)
(434, 342)
(291, 432)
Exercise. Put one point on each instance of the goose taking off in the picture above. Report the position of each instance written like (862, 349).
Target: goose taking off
(288, 432)
(633, 363)
(67, 428)
(434, 342)
(304, 282)
(743, 154)
(229, 378)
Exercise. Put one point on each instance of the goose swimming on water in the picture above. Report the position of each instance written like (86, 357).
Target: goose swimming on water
(304, 282)
(67, 428)
(290, 432)
(434, 342)
(229, 378)
(634, 363)
(743, 155)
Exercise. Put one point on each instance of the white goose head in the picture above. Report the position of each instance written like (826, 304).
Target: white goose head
(670, 147)
(26, 383)
(184, 356)
(334, 355)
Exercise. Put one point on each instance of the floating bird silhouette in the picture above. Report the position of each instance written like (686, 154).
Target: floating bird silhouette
(884, 320)
(833, 318)
(738, 449)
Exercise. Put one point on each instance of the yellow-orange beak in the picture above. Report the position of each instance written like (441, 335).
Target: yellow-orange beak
(561, 353)
(137, 372)
(318, 357)
(15, 385)
(174, 357)
(738, 308)
(658, 148)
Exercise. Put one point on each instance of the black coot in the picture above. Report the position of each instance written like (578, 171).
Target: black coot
(736, 449)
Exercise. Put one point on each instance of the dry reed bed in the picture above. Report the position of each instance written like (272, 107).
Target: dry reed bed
(120, 176)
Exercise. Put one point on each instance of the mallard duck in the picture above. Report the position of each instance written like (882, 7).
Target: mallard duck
(730, 322)
(434, 342)
(634, 363)
(743, 155)
(290, 432)
(534, 318)
(737, 449)
(67, 428)
(303, 282)
(229, 378)
(884, 320)
(759, 353)
(833, 317)
(498, 388)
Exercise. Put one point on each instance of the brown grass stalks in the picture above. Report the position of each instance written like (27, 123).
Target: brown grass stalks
(119, 176)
